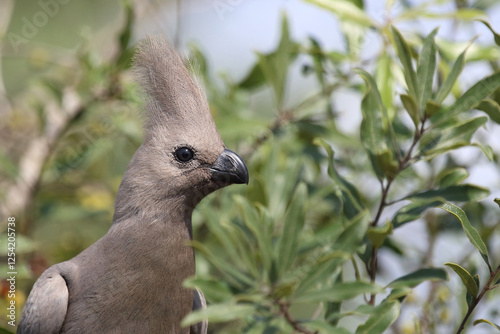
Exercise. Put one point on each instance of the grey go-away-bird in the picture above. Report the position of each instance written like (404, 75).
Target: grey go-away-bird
(130, 281)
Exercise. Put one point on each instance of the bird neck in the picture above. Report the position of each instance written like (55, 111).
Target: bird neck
(139, 207)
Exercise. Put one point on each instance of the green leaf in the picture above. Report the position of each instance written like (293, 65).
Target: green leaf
(495, 34)
(484, 321)
(497, 200)
(340, 292)
(398, 294)
(406, 60)
(468, 297)
(352, 204)
(432, 108)
(214, 290)
(386, 313)
(255, 78)
(414, 210)
(318, 269)
(450, 49)
(333, 308)
(354, 35)
(426, 68)
(439, 140)
(346, 11)
(411, 107)
(254, 224)
(471, 233)
(385, 82)
(452, 177)
(491, 108)
(232, 275)
(218, 313)
(386, 164)
(280, 180)
(487, 150)
(374, 94)
(238, 247)
(421, 275)
(373, 130)
(452, 77)
(377, 235)
(294, 222)
(273, 67)
(322, 327)
(349, 240)
(474, 95)
(6, 331)
(318, 57)
(347, 243)
(126, 54)
(457, 193)
(468, 13)
(466, 278)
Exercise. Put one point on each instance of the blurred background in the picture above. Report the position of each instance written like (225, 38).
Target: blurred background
(70, 119)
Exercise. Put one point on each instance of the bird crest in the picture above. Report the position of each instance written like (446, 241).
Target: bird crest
(173, 97)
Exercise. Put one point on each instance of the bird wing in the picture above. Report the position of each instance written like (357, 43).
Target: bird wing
(46, 307)
(199, 303)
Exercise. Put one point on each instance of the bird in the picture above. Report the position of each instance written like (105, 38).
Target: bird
(130, 280)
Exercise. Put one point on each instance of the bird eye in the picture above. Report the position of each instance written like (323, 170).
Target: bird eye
(184, 154)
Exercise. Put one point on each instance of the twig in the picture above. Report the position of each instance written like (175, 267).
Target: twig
(284, 308)
(371, 266)
(476, 300)
(20, 193)
(283, 119)
(287, 116)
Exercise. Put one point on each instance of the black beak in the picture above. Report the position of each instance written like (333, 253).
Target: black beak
(230, 168)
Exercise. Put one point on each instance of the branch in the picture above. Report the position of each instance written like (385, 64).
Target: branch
(371, 266)
(476, 300)
(58, 118)
(283, 119)
(19, 194)
(287, 116)
(284, 308)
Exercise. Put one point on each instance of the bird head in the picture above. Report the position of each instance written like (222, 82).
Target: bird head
(183, 157)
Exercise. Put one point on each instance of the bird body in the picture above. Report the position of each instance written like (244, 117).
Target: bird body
(130, 281)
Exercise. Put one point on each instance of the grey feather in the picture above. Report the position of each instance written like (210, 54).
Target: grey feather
(130, 281)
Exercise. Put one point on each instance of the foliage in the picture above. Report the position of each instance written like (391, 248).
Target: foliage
(304, 247)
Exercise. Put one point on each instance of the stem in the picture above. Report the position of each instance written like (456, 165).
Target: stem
(383, 203)
(371, 266)
(372, 270)
(476, 300)
(284, 308)
(287, 116)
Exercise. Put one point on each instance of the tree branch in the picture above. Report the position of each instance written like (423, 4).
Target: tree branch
(58, 118)
(19, 194)
(476, 300)
(371, 266)
(284, 309)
